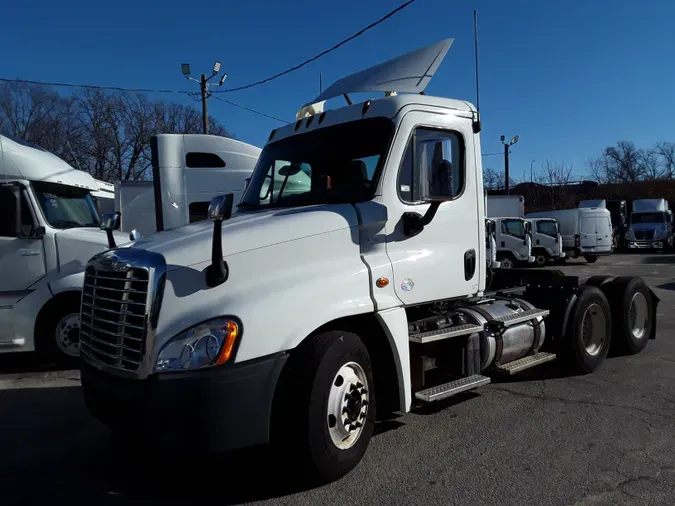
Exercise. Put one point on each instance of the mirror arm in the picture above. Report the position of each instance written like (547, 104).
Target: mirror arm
(414, 223)
(111, 239)
(217, 273)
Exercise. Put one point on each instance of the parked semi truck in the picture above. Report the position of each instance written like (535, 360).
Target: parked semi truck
(302, 318)
(49, 229)
(188, 170)
(651, 225)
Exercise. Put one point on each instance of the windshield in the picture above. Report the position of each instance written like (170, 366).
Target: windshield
(332, 165)
(66, 206)
(648, 218)
(547, 228)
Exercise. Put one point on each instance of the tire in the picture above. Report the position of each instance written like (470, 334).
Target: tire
(590, 314)
(541, 259)
(507, 262)
(591, 259)
(320, 381)
(632, 309)
(57, 333)
(561, 260)
(599, 280)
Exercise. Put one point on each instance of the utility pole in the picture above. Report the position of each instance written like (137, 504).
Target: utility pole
(532, 172)
(204, 93)
(507, 145)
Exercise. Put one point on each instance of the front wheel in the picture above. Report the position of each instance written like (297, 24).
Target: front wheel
(325, 410)
(58, 331)
(541, 259)
(591, 259)
(506, 262)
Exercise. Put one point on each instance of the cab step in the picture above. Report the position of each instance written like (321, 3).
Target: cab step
(525, 363)
(446, 390)
(437, 335)
(516, 318)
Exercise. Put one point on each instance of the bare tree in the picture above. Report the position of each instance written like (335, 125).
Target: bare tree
(666, 151)
(106, 134)
(493, 180)
(650, 165)
(618, 164)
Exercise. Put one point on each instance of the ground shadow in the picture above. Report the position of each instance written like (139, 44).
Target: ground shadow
(25, 362)
(666, 286)
(435, 407)
(47, 432)
(658, 259)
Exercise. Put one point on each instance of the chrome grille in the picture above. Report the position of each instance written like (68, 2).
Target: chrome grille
(114, 316)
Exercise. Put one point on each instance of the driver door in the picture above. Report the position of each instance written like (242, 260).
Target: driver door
(447, 258)
(23, 259)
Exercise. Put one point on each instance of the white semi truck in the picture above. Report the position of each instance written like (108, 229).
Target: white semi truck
(651, 225)
(49, 229)
(303, 317)
(188, 170)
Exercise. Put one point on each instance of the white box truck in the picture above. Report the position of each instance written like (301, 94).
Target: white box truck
(547, 244)
(303, 317)
(506, 205)
(49, 229)
(188, 170)
(651, 225)
(585, 232)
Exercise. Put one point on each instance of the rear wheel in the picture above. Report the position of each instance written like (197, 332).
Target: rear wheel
(589, 329)
(325, 410)
(591, 259)
(599, 280)
(632, 310)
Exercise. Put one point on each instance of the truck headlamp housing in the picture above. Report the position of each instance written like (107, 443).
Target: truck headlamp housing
(208, 344)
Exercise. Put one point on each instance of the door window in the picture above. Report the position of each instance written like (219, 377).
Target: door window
(426, 149)
(515, 228)
(547, 228)
(8, 214)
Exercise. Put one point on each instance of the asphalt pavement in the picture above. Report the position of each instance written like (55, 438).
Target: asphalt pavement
(541, 438)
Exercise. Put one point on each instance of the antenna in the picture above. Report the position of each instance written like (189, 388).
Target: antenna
(320, 83)
(476, 125)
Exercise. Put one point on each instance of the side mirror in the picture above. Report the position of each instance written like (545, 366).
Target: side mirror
(220, 209)
(135, 235)
(110, 222)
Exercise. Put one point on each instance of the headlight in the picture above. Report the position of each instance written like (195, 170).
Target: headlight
(205, 345)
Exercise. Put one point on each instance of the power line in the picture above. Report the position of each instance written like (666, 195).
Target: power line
(323, 53)
(249, 109)
(89, 86)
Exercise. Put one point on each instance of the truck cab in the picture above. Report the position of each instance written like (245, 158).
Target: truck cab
(547, 242)
(49, 229)
(514, 242)
(358, 291)
(651, 225)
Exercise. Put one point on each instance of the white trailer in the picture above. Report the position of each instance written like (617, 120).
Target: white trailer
(585, 232)
(506, 205)
(303, 317)
(188, 171)
(49, 229)
(651, 225)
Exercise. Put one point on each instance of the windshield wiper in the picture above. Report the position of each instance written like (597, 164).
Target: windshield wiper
(71, 224)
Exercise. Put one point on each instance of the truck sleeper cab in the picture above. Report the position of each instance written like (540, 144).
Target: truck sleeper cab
(300, 319)
(49, 229)
(546, 241)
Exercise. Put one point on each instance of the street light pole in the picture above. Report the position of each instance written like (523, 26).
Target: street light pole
(531, 172)
(507, 145)
(204, 89)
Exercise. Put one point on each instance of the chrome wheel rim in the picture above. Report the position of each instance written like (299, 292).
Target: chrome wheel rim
(347, 405)
(594, 329)
(638, 315)
(68, 335)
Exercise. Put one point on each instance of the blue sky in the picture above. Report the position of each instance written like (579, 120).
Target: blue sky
(568, 77)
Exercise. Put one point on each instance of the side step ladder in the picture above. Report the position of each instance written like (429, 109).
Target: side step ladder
(525, 363)
(516, 318)
(446, 390)
(437, 335)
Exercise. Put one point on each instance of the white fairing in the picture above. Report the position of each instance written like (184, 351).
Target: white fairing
(223, 167)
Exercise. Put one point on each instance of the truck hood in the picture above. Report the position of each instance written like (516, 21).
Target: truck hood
(76, 246)
(245, 231)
